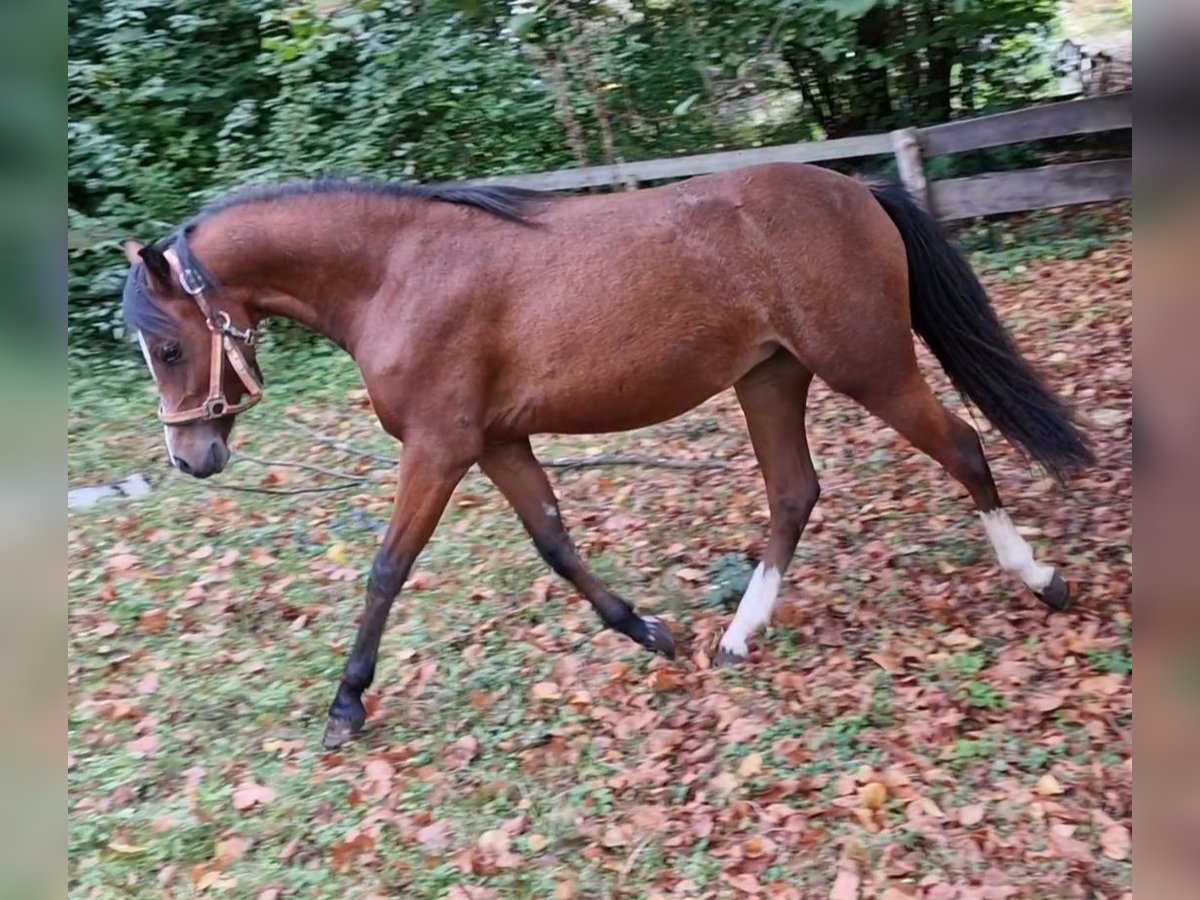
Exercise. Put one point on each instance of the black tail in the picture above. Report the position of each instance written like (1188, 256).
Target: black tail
(952, 315)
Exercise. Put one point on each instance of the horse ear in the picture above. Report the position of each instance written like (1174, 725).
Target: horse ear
(156, 263)
(132, 251)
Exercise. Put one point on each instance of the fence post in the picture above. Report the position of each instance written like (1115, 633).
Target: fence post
(906, 144)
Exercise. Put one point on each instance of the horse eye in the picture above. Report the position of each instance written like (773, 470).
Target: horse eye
(171, 354)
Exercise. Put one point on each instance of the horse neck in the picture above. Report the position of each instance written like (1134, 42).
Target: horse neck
(317, 260)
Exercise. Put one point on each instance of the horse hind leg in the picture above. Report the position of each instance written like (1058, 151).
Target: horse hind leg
(909, 405)
(773, 397)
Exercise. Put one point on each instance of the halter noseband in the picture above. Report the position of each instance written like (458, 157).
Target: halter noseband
(223, 347)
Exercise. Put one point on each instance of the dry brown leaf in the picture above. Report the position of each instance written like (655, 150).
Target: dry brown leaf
(249, 793)
(846, 885)
(379, 770)
(1105, 685)
(146, 745)
(724, 783)
(1115, 842)
(663, 680)
(615, 837)
(887, 662)
(1048, 786)
(152, 621)
(231, 849)
(435, 837)
(750, 766)
(537, 842)
(971, 814)
(1046, 702)
(122, 562)
(495, 841)
(873, 794)
(546, 690)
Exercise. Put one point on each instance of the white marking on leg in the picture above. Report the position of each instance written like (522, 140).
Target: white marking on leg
(754, 610)
(550, 510)
(1012, 551)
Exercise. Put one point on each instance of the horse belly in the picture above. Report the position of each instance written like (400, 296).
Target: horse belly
(616, 390)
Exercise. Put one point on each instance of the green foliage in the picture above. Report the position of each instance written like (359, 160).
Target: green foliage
(171, 103)
(728, 577)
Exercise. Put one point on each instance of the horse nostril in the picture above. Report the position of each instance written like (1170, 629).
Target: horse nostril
(182, 465)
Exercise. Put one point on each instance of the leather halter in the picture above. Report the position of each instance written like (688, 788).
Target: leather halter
(223, 347)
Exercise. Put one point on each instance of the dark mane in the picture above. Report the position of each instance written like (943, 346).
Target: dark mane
(140, 311)
(499, 200)
(143, 314)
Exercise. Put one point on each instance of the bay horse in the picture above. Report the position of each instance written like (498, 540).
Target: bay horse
(479, 316)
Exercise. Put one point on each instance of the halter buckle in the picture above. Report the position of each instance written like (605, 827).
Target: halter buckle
(191, 282)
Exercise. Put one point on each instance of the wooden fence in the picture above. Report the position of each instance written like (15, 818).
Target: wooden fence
(952, 198)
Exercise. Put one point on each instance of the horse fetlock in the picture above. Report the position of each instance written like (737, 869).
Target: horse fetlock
(649, 631)
(1056, 594)
(728, 657)
(347, 716)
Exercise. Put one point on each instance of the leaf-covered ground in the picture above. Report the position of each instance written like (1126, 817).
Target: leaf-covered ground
(914, 724)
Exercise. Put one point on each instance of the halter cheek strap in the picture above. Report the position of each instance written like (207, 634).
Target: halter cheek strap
(223, 346)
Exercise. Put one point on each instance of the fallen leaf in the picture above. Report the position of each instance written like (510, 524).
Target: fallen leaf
(756, 847)
(1106, 685)
(887, 662)
(152, 621)
(122, 562)
(873, 795)
(494, 841)
(146, 745)
(148, 683)
(1115, 842)
(435, 837)
(614, 837)
(845, 886)
(752, 765)
(663, 680)
(725, 783)
(1048, 786)
(687, 574)
(231, 849)
(379, 770)
(1046, 702)
(536, 842)
(971, 814)
(546, 690)
(249, 793)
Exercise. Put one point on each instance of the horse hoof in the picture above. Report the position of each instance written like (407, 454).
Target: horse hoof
(658, 637)
(338, 732)
(728, 659)
(1056, 595)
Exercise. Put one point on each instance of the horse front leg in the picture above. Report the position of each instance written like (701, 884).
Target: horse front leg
(428, 476)
(514, 469)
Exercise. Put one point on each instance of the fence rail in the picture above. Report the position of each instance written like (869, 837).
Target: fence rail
(948, 199)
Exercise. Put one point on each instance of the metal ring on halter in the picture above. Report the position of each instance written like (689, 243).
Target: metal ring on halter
(248, 336)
